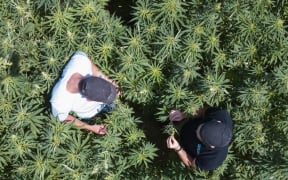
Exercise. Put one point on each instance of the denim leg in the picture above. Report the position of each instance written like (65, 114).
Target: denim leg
(108, 107)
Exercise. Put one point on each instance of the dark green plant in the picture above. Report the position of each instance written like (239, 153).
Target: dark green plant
(174, 54)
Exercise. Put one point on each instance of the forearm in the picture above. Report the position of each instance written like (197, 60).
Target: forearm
(96, 128)
(186, 158)
(98, 73)
(77, 122)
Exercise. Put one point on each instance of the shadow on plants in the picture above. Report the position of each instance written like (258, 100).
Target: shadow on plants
(153, 131)
(15, 65)
(122, 9)
(151, 127)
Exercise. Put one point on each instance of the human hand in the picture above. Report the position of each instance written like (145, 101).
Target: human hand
(98, 129)
(176, 115)
(118, 91)
(117, 87)
(172, 143)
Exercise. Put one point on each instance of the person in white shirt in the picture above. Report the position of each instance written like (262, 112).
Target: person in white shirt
(83, 89)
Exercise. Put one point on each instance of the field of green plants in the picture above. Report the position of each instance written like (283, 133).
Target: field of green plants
(173, 54)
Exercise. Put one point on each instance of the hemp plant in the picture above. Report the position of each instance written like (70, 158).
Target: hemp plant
(174, 54)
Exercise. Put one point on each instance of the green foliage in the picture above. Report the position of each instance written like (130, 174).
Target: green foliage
(177, 54)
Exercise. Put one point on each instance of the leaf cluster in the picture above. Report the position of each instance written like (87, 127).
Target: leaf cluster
(176, 54)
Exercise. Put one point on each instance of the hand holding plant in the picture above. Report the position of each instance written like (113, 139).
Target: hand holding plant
(98, 129)
(176, 115)
(172, 143)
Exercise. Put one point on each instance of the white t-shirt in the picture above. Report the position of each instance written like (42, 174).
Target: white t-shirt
(63, 101)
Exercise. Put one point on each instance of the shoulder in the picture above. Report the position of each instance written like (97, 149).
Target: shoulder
(192, 124)
(211, 159)
(80, 63)
(79, 57)
(189, 128)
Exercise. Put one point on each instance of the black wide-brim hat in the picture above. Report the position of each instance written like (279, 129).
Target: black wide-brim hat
(97, 89)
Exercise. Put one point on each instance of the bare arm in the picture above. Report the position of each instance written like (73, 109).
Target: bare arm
(176, 115)
(97, 72)
(98, 129)
(172, 143)
(185, 158)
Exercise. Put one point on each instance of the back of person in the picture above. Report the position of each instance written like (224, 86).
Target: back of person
(206, 158)
(204, 139)
(82, 92)
(64, 101)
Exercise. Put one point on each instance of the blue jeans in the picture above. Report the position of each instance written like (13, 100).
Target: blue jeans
(108, 107)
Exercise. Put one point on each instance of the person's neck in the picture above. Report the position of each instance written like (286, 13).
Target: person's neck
(73, 82)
